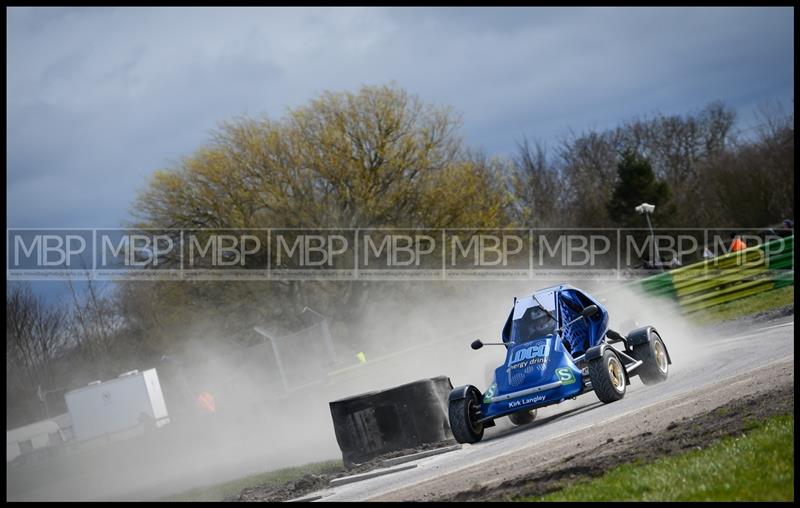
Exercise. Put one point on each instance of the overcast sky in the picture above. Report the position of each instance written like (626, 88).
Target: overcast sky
(97, 99)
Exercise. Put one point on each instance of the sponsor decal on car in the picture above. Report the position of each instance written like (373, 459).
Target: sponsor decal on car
(565, 375)
(487, 397)
(540, 349)
(534, 361)
(526, 400)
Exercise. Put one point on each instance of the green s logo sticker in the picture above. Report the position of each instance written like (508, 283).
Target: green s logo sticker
(565, 376)
(487, 397)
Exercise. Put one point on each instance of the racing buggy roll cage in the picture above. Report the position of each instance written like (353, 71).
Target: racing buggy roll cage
(634, 338)
(546, 365)
(587, 312)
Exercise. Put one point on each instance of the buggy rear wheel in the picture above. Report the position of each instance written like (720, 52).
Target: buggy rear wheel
(655, 364)
(463, 414)
(522, 417)
(608, 377)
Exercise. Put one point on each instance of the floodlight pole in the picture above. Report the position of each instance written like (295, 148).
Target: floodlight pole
(649, 225)
(646, 211)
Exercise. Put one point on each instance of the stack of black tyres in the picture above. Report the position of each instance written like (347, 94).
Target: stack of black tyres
(399, 418)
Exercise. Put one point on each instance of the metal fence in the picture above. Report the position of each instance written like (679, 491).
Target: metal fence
(304, 357)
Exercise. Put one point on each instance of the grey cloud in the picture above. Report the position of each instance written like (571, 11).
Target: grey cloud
(99, 98)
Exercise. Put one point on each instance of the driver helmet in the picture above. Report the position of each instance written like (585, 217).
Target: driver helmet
(539, 322)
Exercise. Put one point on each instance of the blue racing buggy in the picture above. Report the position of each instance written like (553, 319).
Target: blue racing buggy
(558, 346)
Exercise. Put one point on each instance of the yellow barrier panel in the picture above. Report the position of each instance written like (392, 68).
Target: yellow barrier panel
(728, 277)
(741, 291)
(713, 280)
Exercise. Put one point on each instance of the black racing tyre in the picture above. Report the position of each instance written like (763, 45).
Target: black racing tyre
(653, 354)
(462, 414)
(608, 377)
(522, 417)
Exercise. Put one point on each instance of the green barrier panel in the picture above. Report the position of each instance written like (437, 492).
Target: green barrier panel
(658, 285)
(788, 280)
(727, 277)
(781, 262)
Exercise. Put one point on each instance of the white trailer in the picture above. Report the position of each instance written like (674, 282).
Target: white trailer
(116, 405)
(31, 437)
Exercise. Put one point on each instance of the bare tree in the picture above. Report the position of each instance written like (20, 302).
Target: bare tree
(537, 186)
(35, 338)
(753, 183)
(95, 320)
(588, 163)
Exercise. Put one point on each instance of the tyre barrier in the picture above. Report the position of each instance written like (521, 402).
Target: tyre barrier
(403, 417)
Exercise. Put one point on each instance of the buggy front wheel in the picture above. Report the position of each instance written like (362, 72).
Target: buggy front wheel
(463, 415)
(608, 377)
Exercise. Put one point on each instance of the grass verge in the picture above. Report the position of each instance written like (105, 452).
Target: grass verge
(750, 305)
(758, 466)
(226, 490)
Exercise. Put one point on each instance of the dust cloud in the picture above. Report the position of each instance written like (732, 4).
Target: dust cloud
(260, 426)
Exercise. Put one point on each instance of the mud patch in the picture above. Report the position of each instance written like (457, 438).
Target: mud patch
(698, 432)
(314, 482)
(773, 314)
(759, 318)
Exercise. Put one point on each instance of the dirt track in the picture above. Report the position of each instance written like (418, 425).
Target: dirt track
(666, 428)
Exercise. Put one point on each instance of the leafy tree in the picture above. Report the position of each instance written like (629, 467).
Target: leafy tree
(376, 158)
(371, 159)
